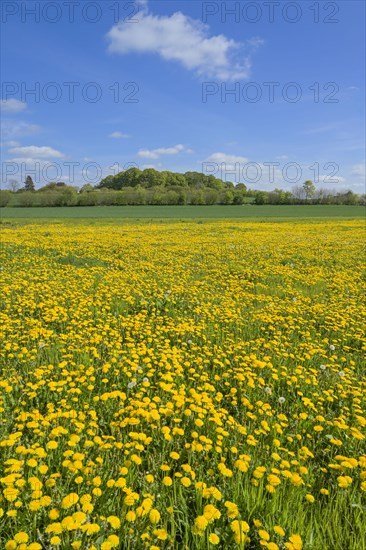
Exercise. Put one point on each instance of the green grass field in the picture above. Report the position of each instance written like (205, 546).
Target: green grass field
(184, 212)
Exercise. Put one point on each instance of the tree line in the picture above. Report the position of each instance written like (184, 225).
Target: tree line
(151, 187)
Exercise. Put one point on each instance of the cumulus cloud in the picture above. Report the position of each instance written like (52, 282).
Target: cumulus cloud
(142, 4)
(29, 161)
(330, 180)
(237, 168)
(156, 153)
(154, 166)
(225, 166)
(11, 129)
(33, 151)
(267, 175)
(359, 170)
(230, 161)
(118, 135)
(224, 157)
(10, 143)
(185, 40)
(12, 105)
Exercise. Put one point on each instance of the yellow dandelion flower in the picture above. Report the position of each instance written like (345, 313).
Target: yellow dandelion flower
(114, 522)
(90, 528)
(70, 500)
(201, 523)
(211, 513)
(161, 534)
(185, 481)
(214, 539)
(113, 540)
(279, 530)
(344, 481)
(131, 516)
(154, 516)
(21, 537)
(264, 534)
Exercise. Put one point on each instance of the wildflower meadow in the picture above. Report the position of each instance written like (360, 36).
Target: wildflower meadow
(184, 385)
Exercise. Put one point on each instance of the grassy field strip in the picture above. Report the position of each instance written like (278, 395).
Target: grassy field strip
(186, 212)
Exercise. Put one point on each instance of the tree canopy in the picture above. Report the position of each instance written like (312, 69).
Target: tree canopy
(150, 177)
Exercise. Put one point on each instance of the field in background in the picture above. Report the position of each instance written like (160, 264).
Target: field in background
(186, 212)
(183, 386)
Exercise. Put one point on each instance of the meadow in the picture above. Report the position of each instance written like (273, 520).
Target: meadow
(246, 211)
(191, 386)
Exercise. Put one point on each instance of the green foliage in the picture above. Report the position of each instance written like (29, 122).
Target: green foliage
(261, 197)
(135, 187)
(5, 197)
(150, 178)
(309, 189)
(227, 197)
(128, 178)
(28, 184)
(197, 179)
(25, 199)
(87, 188)
(50, 195)
(174, 179)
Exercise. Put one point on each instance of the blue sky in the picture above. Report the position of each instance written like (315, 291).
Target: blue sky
(154, 91)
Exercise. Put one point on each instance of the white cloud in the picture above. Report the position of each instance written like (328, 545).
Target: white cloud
(358, 188)
(29, 161)
(224, 158)
(330, 180)
(42, 170)
(32, 151)
(156, 153)
(225, 166)
(118, 135)
(154, 166)
(142, 4)
(266, 176)
(10, 143)
(11, 129)
(185, 40)
(359, 170)
(12, 105)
